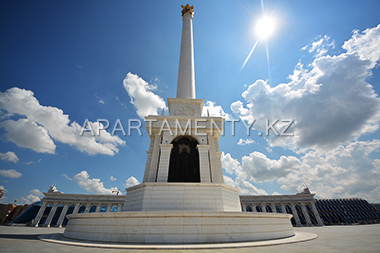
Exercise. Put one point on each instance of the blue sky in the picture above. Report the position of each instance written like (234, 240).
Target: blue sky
(63, 62)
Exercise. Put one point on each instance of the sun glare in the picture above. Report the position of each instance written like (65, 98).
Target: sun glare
(265, 27)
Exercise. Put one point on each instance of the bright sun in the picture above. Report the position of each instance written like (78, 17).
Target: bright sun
(265, 27)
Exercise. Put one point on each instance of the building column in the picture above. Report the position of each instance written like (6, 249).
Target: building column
(218, 156)
(51, 214)
(215, 175)
(263, 208)
(306, 214)
(76, 208)
(88, 207)
(98, 207)
(253, 208)
(283, 208)
(39, 215)
(63, 215)
(163, 167)
(295, 215)
(273, 206)
(119, 207)
(147, 165)
(154, 160)
(109, 206)
(204, 163)
(316, 214)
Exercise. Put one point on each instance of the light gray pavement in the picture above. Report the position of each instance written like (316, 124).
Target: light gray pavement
(363, 238)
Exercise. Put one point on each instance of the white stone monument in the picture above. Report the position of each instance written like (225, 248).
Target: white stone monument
(183, 198)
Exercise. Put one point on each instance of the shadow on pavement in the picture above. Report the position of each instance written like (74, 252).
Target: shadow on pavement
(18, 236)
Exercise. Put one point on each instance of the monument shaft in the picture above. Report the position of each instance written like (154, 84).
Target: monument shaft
(186, 76)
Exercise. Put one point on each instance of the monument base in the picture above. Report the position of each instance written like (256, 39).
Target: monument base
(173, 227)
(198, 197)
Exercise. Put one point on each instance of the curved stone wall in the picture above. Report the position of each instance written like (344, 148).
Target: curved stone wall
(178, 227)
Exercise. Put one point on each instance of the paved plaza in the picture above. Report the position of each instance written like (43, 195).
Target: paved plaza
(361, 238)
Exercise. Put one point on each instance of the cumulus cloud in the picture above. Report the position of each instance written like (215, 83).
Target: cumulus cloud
(142, 97)
(27, 134)
(112, 178)
(92, 185)
(245, 141)
(31, 198)
(43, 124)
(12, 173)
(36, 192)
(34, 196)
(9, 157)
(214, 110)
(245, 187)
(332, 103)
(345, 171)
(131, 181)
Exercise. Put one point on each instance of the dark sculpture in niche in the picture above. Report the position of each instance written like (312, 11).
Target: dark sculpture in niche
(184, 161)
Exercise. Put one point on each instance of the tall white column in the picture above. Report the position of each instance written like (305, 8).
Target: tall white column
(62, 215)
(316, 214)
(254, 207)
(119, 207)
(98, 207)
(295, 215)
(186, 76)
(306, 215)
(204, 163)
(154, 160)
(109, 206)
(51, 214)
(39, 215)
(163, 167)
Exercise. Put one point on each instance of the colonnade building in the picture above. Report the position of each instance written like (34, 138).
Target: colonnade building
(306, 210)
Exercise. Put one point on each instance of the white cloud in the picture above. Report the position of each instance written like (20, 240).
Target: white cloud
(36, 192)
(245, 141)
(43, 124)
(131, 181)
(27, 134)
(332, 103)
(365, 44)
(142, 97)
(92, 185)
(66, 176)
(9, 157)
(112, 178)
(345, 171)
(10, 173)
(31, 198)
(245, 187)
(34, 196)
(320, 46)
(214, 110)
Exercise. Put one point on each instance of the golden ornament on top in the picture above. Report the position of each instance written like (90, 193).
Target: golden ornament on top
(187, 9)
